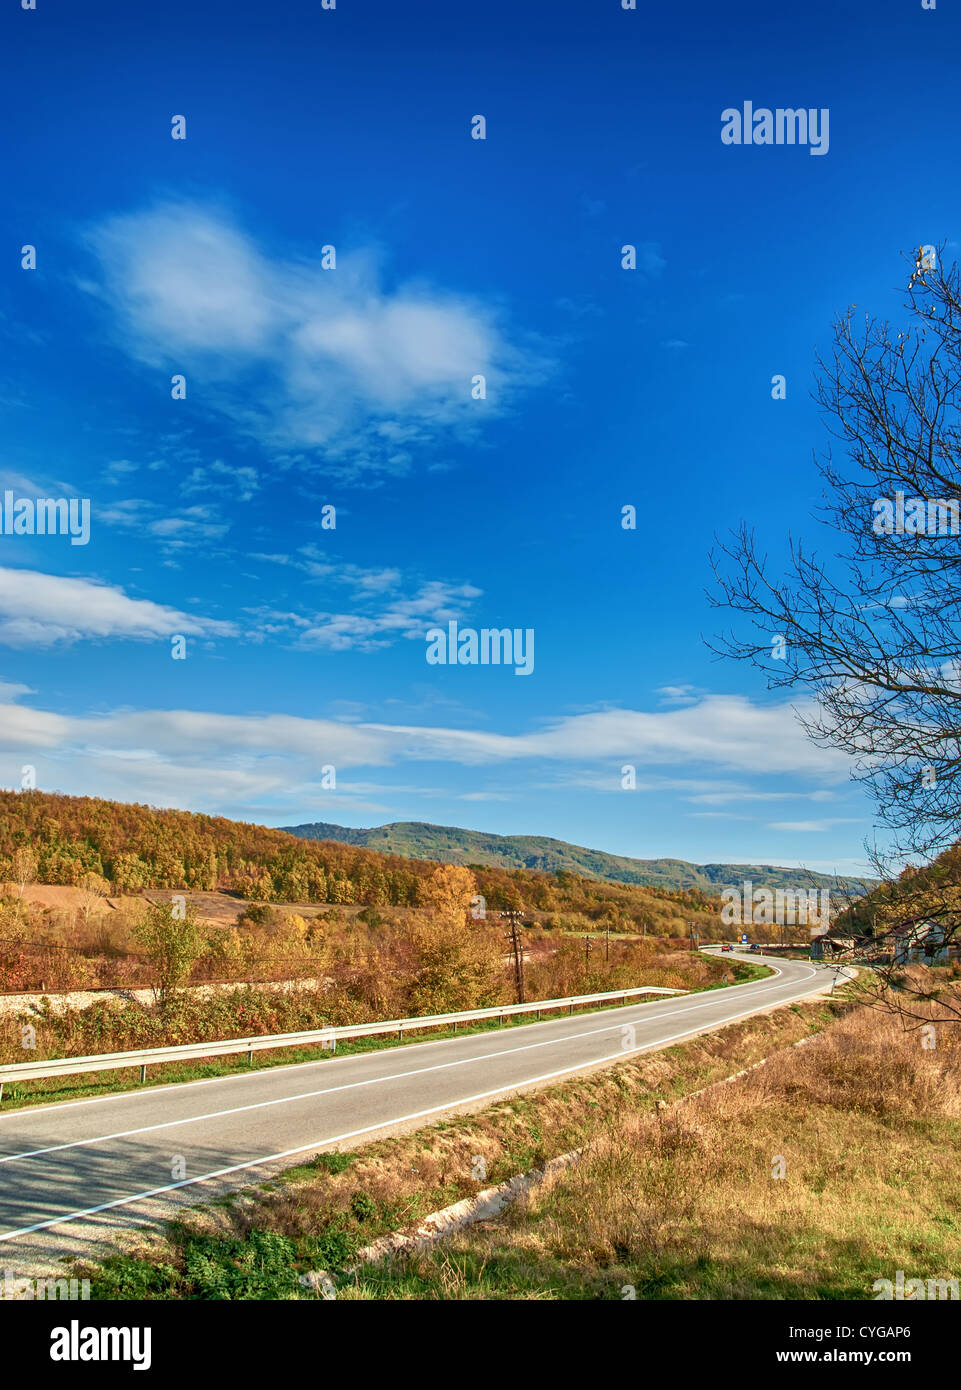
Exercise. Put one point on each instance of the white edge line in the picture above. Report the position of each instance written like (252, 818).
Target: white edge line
(324, 1091)
(329, 1090)
(320, 1145)
(60, 1105)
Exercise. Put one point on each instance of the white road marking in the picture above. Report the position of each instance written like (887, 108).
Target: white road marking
(327, 1090)
(60, 1105)
(319, 1144)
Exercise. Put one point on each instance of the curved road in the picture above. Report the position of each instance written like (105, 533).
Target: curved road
(74, 1173)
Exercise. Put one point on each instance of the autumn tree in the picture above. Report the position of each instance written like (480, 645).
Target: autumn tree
(456, 966)
(457, 959)
(447, 892)
(172, 940)
(13, 928)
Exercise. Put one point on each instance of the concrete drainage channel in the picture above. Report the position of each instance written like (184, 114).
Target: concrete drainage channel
(493, 1201)
(484, 1206)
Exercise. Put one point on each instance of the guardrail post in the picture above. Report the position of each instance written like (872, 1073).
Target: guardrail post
(237, 1047)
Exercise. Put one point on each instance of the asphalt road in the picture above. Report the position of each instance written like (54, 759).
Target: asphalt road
(75, 1173)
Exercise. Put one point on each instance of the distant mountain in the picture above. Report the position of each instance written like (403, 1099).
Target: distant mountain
(451, 845)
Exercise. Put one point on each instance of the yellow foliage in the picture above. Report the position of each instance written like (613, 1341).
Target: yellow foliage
(448, 891)
(457, 966)
(295, 927)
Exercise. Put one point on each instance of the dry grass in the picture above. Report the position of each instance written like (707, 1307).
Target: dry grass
(685, 1202)
(322, 1213)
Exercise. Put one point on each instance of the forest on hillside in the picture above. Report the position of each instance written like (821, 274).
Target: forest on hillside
(135, 847)
(451, 844)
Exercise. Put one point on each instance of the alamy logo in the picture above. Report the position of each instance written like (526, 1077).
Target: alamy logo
(786, 907)
(782, 126)
(491, 646)
(46, 516)
(76, 1343)
(900, 1289)
(918, 516)
(43, 1289)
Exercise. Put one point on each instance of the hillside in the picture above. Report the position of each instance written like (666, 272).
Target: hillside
(452, 845)
(135, 847)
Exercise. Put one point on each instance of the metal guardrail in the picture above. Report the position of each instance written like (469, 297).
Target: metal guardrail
(115, 1061)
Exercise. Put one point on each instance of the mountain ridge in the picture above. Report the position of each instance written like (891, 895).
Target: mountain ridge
(455, 845)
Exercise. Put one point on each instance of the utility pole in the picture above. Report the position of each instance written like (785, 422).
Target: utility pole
(607, 941)
(588, 948)
(513, 918)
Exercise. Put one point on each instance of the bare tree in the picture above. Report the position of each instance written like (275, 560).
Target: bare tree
(93, 890)
(870, 632)
(23, 866)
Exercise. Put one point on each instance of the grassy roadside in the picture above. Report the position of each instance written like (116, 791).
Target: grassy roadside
(832, 1167)
(48, 1090)
(316, 1216)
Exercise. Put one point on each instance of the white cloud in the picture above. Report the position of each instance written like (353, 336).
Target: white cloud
(190, 526)
(39, 610)
(12, 690)
(388, 605)
(119, 468)
(297, 355)
(242, 479)
(803, 827)
(679, 694)
(201, 758)
(741, 793)
(724, 730)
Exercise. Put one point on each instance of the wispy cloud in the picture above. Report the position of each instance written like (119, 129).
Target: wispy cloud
(118, 469)
(132, 752)
(177, 530)
(42, 610)
(679, 694)
(386, 604)
(189, 290)
(240, 481)
(804, 827)
(742, 793)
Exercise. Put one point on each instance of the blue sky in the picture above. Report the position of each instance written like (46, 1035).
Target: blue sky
(352, 387)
